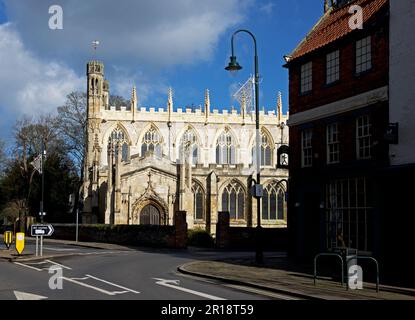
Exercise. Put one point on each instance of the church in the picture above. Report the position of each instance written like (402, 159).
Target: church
(143, 164)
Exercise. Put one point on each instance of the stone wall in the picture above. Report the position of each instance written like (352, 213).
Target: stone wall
(134, 235)
(227, 237)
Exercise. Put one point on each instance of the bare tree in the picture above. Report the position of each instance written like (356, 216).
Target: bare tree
(2, 157)
(71, 121)
(31, 138)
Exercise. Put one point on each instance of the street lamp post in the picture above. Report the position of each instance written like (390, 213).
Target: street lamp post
(43, 182)
(233, 67)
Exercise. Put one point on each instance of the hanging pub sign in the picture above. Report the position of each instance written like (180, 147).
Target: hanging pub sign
(283, 157)
(392, 133)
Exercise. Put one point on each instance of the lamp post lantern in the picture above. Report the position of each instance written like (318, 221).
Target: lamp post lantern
(257, 190)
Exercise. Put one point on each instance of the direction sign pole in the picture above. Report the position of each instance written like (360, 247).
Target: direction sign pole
(37, 246)
(41, 246)
(77, 225)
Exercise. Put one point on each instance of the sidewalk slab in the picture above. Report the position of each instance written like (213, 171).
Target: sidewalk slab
(287, 282)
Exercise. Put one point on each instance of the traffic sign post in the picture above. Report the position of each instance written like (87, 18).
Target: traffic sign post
(8, 239)
(41, 230)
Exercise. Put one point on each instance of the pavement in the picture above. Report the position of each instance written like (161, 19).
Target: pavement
(282, 276)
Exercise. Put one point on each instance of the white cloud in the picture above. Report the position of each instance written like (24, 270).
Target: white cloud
(138, 40)
(135, 33)
(29, 85)
(267, 8)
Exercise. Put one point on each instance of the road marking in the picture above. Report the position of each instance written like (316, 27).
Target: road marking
(58, 264)
(62, 249)
(27, 296)
(174, 285)
(27, 266)
(113, 284)
(89, 286)
(110, 293)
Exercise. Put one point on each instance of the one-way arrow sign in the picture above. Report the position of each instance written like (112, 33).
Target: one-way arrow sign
(45, 230)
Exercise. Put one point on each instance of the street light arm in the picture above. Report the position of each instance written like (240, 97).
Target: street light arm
(248, 32)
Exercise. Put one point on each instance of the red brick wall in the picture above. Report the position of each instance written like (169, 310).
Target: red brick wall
(347, 136)
(349, 84)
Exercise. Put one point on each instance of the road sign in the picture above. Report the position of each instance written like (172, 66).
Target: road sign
(20, 242)
(8, 239)
(44, 230)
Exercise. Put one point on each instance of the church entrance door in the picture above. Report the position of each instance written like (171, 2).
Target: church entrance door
(150, 215)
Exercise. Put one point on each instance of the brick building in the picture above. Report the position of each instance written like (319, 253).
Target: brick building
(345, 190)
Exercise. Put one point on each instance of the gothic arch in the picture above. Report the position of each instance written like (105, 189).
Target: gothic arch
(146, 128)
(111, 129)
(238, 202)
(264, 130)
(222, 130)
(179, 137)
(229, 181)
(182, 131)
(151, 126)
(140, 204)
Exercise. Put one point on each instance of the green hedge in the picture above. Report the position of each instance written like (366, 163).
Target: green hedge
(200, 238)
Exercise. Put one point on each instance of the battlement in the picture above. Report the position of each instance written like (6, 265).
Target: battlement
(192, 111)
(96, 67)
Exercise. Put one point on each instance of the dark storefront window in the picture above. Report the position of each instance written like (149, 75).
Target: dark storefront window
(349, 214)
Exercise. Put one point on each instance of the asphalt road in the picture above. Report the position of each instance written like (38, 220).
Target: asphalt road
(97, 274)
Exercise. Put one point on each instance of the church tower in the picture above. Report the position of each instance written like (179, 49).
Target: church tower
(97, 99)
(95, 75)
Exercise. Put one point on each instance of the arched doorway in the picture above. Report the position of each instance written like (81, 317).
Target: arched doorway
(150, 215)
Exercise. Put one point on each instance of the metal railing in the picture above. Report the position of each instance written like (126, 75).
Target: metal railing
(328, 254)
(368, 258)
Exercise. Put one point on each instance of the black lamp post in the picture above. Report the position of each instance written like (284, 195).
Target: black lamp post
(257, 190)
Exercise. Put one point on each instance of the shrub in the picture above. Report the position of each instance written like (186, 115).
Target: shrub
(199, 238)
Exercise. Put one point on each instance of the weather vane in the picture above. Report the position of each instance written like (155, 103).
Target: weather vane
(95, 44)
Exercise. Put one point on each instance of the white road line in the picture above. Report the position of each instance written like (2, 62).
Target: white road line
(55, 249)
(27, 296)
(58, 264)
(25, 265)
(167, 283)
(89, 286)
(113, 284)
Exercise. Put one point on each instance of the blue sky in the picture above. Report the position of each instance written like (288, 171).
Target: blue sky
(153, 44)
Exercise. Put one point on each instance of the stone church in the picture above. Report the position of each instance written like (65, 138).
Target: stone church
(144, 164)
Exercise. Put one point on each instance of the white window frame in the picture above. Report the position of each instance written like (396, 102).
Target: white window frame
(333, 67)
(363, 55)
(306, 76)
(364, 137)
(333, 143)
(306, 148)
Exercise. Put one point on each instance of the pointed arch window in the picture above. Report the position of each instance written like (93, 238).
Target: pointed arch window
(225, 148)
(198, 201)
(233, 201)
(273, 202)
(118, 138)
(266, 150)
(152, 142)
(189, 144)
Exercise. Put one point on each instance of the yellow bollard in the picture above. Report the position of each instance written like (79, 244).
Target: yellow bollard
(8, 239)
(20, 242)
